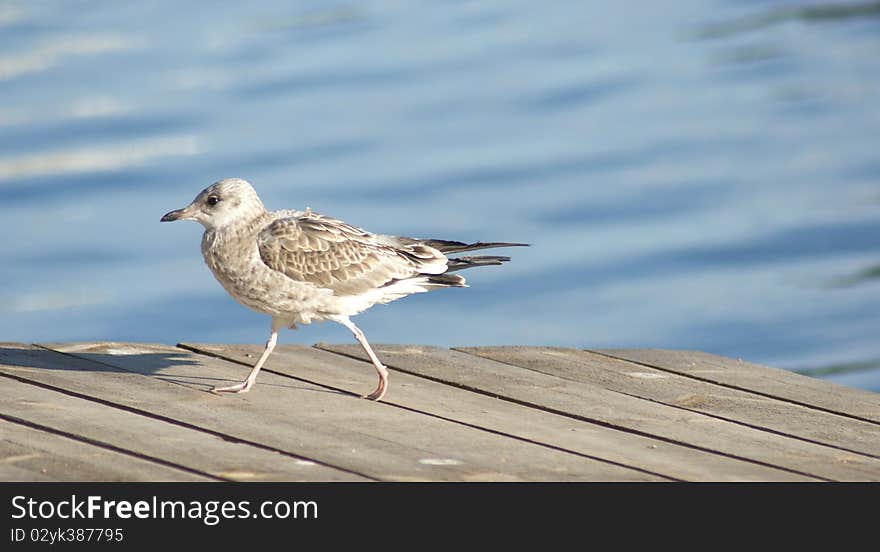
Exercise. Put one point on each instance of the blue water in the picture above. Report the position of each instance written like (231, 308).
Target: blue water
(692, 174)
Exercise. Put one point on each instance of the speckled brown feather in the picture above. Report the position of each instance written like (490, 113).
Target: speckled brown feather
(331, 254)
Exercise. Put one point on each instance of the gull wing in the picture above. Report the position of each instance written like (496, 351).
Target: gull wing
(308, 247)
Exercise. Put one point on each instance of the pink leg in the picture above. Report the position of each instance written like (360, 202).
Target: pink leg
(246, 385)
(379, 392)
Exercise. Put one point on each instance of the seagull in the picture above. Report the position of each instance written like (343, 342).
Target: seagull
(301, 267)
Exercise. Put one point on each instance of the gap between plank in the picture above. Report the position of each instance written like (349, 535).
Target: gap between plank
(709, 414)
(417, 411)
(732, 386)
(761, 428)
(173, 421)
(108, 446)
(583, 418)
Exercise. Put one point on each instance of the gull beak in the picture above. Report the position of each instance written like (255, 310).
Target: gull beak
(172, 215)
(177, 214)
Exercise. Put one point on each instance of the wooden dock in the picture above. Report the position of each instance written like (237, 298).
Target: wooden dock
(143, 412)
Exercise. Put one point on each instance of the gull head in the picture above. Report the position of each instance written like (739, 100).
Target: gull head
(222, 203)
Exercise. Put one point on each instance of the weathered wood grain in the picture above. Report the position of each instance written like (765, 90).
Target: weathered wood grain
(117, 411)
(479, 410)
(29, 454)
(312, 422)
(10, 473)
(772, 382)
(592, 402)
(693, 394)
(152, 438)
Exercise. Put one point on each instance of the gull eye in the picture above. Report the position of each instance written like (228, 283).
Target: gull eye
(213, 200)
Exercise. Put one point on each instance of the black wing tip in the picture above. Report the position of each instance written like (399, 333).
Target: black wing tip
(492, 245)
(460, 263)
(447, 246)
(482, 259)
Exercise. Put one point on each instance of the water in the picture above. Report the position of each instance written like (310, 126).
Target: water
(698, 175)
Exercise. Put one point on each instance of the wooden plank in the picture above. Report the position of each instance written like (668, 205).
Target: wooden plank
(591, 402)
(10, 473)
(589, 439)
(156, 439)
(29, 454)
(700, 396)
(373, 439)
(772, 382)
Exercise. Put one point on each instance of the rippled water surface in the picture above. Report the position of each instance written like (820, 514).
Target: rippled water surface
(691, 174)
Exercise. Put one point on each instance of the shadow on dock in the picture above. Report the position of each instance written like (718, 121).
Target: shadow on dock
(180, 367)
(36, 357)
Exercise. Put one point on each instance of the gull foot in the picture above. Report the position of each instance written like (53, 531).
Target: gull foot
(378, 393)
(242, 387)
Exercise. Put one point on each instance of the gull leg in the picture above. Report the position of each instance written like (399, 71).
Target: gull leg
(246, 385)
(380, 368)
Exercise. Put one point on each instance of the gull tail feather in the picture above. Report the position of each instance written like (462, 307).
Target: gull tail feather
(460, 263)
